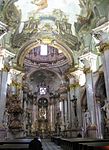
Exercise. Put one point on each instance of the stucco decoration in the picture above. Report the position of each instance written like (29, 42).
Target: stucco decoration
(10, 14)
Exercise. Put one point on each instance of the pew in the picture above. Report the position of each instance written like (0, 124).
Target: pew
(73, 143)
(15, 144)
(93, 146)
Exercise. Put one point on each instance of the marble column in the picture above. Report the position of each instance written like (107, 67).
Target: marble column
(49, 117)
(62, 114)
(72, 119)
(79, 80)
(69, 108)
(99, 120)
(53, 117)
(78, 107)
(25, 118)
(101, 34)
(63, 103)
(65, 110)
(34, 112)
(4, 75)
(92, 130)
(90, 95)
(104, 48)
(89, 60)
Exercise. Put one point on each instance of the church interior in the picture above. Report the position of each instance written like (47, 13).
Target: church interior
(54, 75)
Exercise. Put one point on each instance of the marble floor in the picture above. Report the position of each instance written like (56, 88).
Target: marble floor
(48, 145)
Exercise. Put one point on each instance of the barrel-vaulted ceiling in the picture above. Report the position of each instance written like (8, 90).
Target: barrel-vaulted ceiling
(34, 23)
(63, 26)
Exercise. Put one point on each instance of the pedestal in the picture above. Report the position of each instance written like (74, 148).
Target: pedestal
(91, 131)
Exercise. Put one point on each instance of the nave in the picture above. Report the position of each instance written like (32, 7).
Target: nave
(48, 145)
(54, 71)
(23, 144)
(56, 143)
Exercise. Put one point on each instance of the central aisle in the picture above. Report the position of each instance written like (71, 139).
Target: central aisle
(48, 145)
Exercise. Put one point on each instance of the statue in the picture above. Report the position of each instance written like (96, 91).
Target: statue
(106, 109)
(86, 63)
(42, 113)
(87, 117)
(41, 4)
(86, 120)
(102, 37)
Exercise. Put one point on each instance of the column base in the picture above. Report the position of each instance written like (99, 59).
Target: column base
(107, 123)
(91, 130)
(15, 134)
(3, 132)
(107, 129)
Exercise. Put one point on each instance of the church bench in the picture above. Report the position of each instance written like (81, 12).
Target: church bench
(16, 141)
(56, 140)
(93, 146)
(17, 144)
(73, 143)
(11, 146)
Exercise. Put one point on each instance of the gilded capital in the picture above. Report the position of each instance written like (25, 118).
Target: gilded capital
(74, 85)
(6, 68)
(104, 46)
(98, 100)
(87, 70)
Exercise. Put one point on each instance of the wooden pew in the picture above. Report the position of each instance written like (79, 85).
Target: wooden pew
(73, 144)
(16, 144)
(93, 146)
(56, 140)
(14, 147)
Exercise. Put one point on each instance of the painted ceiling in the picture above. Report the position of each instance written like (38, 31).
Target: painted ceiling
(43, 7)
(60, 24)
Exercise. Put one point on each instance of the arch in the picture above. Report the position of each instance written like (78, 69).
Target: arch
(35, 43)
(35, 70)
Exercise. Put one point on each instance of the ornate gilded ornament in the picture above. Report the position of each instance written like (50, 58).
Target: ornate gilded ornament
(104, 46)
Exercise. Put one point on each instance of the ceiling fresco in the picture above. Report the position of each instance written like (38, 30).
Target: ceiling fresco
(33, 7)
(64, 25)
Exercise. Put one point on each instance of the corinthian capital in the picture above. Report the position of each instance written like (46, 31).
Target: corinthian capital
(101, 33)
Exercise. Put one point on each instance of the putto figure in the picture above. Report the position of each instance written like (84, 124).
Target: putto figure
(41, 4)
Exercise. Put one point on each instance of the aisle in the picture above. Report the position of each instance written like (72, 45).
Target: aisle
(48, 145)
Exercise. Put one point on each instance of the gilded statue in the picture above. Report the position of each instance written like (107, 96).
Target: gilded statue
(42, 113)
